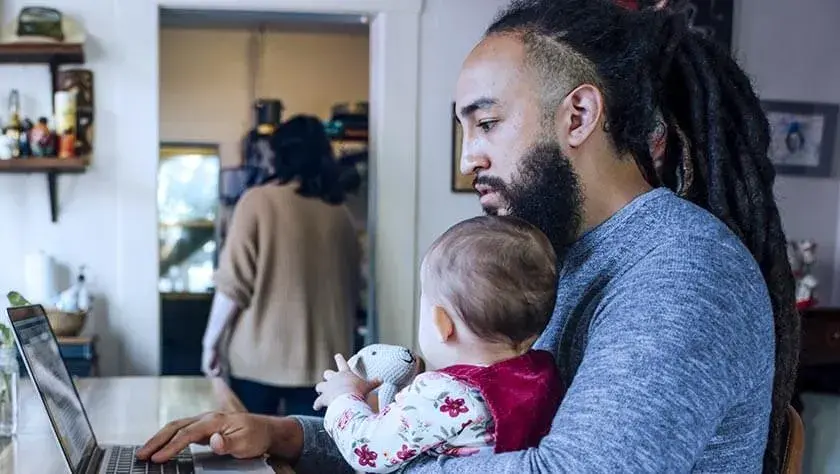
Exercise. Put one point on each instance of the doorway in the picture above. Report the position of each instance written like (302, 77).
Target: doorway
(219, 73)
(394, 47)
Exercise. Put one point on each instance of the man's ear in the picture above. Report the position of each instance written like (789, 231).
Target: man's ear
(444, 325)
(579, 115)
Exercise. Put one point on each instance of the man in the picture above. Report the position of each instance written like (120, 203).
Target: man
(675, 323)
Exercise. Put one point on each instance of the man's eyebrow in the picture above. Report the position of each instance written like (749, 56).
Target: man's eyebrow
(478, 104)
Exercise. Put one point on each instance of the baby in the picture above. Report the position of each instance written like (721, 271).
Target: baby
(488, 290)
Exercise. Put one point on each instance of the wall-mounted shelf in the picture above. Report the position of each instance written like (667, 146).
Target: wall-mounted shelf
(52, 167)
(44, 165)
(53, 55)
(42, 53)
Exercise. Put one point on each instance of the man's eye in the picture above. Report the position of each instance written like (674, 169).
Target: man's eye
(487, 125)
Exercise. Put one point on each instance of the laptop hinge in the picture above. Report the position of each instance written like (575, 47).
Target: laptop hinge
(93, 461)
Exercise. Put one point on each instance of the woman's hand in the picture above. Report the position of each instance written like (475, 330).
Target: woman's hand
(342, 382)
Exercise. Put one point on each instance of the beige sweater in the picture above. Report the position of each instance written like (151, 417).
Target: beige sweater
(292, 264)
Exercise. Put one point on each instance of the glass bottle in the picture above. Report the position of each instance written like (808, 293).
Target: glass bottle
(9, 373)
(15, 128)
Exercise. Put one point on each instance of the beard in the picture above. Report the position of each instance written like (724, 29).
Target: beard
(545, 192)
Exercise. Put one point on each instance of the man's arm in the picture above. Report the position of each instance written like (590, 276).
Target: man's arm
(319, 454)
(674, 345)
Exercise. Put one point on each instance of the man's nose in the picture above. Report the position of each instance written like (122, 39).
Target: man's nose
(472, 161)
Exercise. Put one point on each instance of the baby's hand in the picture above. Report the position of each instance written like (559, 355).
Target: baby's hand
(340, 383)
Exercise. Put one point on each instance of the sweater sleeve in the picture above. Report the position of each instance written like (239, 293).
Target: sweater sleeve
(673, 346)
(238, 261)
(320, 454)
(435, 412)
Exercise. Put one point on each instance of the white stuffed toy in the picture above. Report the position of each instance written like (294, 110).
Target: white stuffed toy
(395, 366)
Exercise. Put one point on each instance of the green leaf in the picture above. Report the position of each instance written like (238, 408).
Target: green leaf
(6, 338)
(417, 440)
(16, 299)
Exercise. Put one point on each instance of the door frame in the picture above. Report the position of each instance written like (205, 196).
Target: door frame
(394, 116)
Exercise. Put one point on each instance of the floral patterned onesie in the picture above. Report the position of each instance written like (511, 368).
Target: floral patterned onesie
(452, 412)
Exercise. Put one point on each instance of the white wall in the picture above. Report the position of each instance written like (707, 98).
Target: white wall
(86, 232)
(449, 30)
(309, 72)
(792, 52)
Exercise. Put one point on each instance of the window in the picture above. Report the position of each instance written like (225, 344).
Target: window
(187, 201)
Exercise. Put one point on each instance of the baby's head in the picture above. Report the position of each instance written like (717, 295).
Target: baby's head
(488, 285)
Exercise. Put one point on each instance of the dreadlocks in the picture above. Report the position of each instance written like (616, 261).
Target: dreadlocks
(652, 68)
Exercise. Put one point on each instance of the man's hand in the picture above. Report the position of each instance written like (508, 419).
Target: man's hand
(240, 435)
(340, 383)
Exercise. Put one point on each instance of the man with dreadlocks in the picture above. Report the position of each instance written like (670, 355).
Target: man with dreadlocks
(639, 147)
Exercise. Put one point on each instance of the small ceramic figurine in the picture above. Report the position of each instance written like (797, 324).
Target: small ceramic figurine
(395, 366)
(802, 257)
(41, 139)
(7, 146)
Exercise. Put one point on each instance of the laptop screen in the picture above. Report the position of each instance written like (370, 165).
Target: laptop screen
(52, 380)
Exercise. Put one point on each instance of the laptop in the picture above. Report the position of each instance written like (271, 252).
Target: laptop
(70, 424)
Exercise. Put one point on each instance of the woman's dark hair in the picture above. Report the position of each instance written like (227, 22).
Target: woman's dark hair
(651, 68)
(303, 153)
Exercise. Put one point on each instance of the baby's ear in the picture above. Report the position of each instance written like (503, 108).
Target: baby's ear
(443, 323)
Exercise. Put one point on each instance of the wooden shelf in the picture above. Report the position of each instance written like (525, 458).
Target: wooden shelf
(52, 167)
(44, 165)
(53, 55)
(42, 53)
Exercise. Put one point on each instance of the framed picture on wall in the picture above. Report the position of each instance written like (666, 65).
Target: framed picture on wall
(802, 136)
(460, 182)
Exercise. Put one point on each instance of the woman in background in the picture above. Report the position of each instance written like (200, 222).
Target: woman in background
(287, 287)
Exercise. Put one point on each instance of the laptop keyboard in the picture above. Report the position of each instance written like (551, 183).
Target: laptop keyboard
(123, 461)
